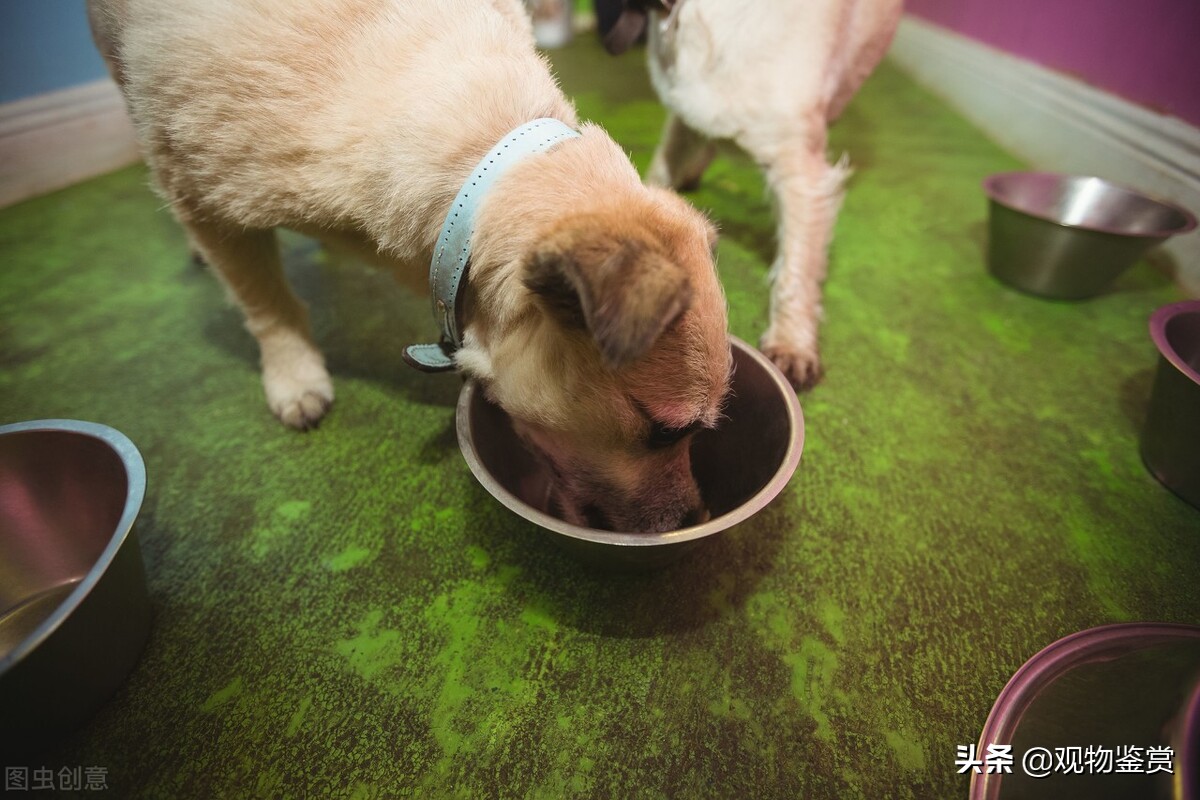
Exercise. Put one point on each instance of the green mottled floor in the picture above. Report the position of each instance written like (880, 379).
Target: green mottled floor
(347, 613)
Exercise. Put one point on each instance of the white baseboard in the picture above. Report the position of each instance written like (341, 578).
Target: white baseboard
(53, 140)
(1060, 124)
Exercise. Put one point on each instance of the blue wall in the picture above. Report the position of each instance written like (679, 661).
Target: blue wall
(45, 45)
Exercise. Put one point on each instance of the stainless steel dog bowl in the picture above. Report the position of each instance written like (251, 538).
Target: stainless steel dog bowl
(740, 467)
(1112, 687)
(74, 614)
(1170, 441)
(1068, 237)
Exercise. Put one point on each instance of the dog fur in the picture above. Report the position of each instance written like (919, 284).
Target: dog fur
(771, 75)
(593, 314)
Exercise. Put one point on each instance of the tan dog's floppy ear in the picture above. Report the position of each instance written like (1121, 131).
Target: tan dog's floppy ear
(622, 290)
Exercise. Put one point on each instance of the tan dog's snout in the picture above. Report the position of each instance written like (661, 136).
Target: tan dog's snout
(664, 500)
(626, 488)
(659, 501)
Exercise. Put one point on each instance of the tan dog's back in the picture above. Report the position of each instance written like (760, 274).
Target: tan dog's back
(335, 104)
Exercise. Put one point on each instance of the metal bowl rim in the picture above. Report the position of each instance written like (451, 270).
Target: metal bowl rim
(991, 183)
(1052, 661)
(135, 479)
(758, 501)
(1189, 773)
(1158, 332)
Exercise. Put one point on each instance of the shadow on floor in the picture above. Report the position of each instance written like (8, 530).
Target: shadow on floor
(360, 317)
(711, 581)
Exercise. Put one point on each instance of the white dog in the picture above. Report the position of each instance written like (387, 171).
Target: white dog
(771, 75)
(590, 311)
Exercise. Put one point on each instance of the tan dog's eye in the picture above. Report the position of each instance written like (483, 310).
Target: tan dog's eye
(664, 436)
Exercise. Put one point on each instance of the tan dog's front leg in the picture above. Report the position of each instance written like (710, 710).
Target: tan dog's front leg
(808, 193)
(298, 388)
(681, 157)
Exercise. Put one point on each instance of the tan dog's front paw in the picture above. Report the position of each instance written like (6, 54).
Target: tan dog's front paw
(801, 367)
(299, 390)
(303, 411)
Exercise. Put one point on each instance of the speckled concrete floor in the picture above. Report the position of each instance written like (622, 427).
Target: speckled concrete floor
(348, 614)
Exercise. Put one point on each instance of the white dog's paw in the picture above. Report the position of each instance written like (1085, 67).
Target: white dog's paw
(302, 411)
(299, 390)
(800, 365)
(299, 404)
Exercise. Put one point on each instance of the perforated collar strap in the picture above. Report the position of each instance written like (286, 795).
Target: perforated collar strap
(452, 254)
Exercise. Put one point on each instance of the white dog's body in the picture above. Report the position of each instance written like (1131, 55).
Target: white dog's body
(771, 75)
(592, 312)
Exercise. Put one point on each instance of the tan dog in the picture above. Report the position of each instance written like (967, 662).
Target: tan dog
(771, 75)
(592, 312)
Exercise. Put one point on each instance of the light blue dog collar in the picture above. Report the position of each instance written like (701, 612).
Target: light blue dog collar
(452, 254)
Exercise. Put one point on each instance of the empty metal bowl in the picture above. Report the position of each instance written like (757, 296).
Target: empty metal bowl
(1069, 237)
(1107, 688)
(74, 614)
(1170, 441)
(740, 467)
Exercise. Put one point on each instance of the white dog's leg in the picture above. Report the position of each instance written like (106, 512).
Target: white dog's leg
(808, 193)
(681, 157)
(298, 388)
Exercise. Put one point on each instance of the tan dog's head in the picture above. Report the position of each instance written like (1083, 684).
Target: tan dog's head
(605, 339)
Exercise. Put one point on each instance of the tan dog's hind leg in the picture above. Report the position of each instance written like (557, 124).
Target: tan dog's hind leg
(298, 388)
(808, 193)
(681, 157)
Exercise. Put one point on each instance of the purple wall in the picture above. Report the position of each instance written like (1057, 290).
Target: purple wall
(1147, 51)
